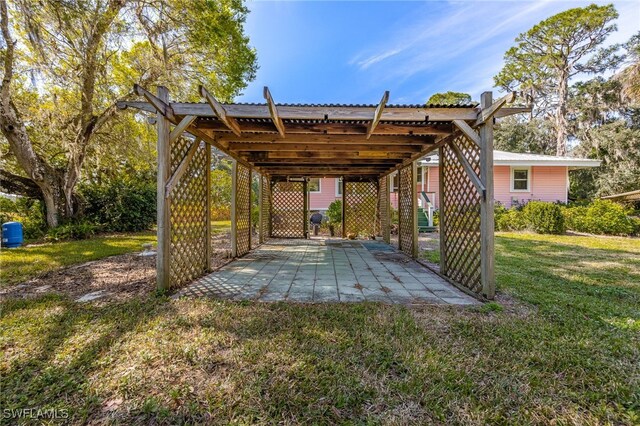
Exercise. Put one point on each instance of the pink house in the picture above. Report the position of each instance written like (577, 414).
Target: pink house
(517, 178)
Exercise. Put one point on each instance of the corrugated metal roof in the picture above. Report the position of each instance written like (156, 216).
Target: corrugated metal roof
(469, 105)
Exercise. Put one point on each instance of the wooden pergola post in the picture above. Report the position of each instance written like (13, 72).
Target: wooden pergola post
(441, 213)
(261, 194)
(386, 232)
(487, 226)
(305, 208)
(163, 213)
(344, 205)
(207, 151)
(234, 208)
(414, 209)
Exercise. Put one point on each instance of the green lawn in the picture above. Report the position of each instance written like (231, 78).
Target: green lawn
(17, 265)
(566, 351)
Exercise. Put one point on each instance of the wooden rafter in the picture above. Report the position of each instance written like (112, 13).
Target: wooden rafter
(487, 113)
(377, 115)
(321, 138)
(244, 146)
(220, 111)
(335, 128)
(468, 131)
(157, 104)
(273, 111)
(181, 127)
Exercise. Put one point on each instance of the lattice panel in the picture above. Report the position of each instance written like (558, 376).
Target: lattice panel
(265, 208)
(384, 208)
(460, 216)
(406, 206)
(287, 210)
(243, 209)
(187, 211)
(361, 208)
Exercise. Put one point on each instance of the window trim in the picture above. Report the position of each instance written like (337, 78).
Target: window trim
(319, 186)
(338, 185)
(511, 180)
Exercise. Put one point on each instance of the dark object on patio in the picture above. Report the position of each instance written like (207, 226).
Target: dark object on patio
(316, 220)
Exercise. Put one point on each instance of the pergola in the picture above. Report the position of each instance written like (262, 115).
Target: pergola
(287, 144)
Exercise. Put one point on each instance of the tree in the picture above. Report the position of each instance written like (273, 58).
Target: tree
(83, 56)
(630, 76)
(514, 135)
(547, 56)
(449, 98)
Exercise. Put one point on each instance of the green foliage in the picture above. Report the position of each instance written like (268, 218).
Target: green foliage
(535, 136)
(564, 43)
(449, 98)
(221, 192)
(601, 217)
(334, 212)
(255, 216)
(617, 145)
(544, 218)
(27, 211)
(124, 204)
(72, 231)
(511, 220)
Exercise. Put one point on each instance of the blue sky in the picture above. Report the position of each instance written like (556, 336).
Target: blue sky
(351, 52)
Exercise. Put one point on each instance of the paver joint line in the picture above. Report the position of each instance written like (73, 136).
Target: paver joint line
(327, 271)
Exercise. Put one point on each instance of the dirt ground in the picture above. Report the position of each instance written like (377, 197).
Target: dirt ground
(118, 278)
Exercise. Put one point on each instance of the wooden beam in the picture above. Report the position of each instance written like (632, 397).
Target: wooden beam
(487, 225)
(323, 113)
(475, 179)
(166, 110)
(234, 209)
(221, 113)
(377, 114)
(163, 276)
(242, 146)
(182, 167)
(181, 127)
(322, 138)
(333, 128)
(467, 131)
(304, 161)
(488, 112)
(207, 150)
(325, 155)
(425, 150)
(160, 105)
(273, 111)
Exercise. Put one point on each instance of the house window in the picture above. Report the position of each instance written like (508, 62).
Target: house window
(520, 179)
(339, 187)
(314, 185)
(419, 172)
(394, 182)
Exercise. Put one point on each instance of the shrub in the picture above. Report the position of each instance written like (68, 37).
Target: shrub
(72, 231)
(601, 217)
(334, 212)
(544, 218)
(512, 220)
(124, 204)
(27, 211)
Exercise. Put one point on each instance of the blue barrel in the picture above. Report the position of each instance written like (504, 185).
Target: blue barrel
(12, 234)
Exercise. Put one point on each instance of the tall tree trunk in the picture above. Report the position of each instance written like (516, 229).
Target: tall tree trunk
(561, 115)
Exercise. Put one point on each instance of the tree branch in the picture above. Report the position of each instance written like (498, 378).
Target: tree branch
(19, 185)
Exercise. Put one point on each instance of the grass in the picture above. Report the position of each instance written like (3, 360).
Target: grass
(566, 352)
(17, 265)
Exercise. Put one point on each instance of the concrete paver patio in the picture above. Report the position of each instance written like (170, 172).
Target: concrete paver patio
(325, 270)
